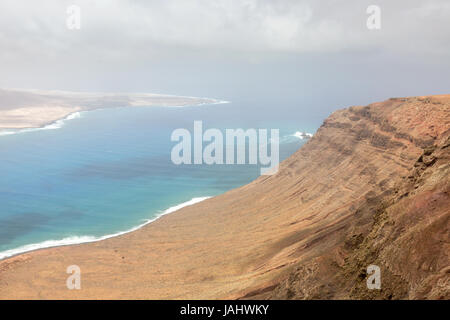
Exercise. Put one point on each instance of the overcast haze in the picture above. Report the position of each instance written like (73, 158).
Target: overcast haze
(316, 52)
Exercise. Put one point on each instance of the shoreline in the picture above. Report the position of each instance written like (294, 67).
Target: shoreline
(76, 240)
(51, 125)
(60, 106)
(83, 239)
(258, 240)
(58, 123)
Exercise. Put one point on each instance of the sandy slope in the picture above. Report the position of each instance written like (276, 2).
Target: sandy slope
(298, 234)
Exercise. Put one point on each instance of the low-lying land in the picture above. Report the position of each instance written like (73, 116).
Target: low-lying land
(20, 109)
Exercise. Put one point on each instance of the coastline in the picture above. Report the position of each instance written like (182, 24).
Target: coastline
(89, 239)
(250, 241)
(53, 124)
(58, 123)
(52, 110)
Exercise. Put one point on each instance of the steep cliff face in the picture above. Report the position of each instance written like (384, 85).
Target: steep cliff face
(371, 187)
(398, 217)
(410, 237)
(407, 236)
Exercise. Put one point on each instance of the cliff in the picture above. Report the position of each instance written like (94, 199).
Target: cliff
(401, 225)
(371, 187)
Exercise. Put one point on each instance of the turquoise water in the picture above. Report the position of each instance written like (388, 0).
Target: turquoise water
(109, 171)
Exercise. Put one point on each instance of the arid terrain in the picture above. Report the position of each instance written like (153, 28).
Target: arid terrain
(21, 109)
(371, 187)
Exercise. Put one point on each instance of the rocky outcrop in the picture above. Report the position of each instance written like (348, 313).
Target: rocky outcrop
(408, 238)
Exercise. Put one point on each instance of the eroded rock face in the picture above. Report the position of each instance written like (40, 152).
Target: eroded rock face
(371, 187)
(402, 225)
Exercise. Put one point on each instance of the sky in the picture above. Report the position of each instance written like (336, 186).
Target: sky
(319, 53)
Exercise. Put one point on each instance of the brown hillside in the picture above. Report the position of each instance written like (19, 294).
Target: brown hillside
(371, 187)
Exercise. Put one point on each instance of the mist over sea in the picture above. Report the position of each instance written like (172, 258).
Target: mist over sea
(109, 171)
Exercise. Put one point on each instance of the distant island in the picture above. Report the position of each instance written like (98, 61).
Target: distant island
(20, 109)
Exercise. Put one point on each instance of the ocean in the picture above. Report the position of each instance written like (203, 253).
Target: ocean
(105, 172)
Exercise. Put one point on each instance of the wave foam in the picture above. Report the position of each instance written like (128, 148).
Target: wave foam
(211, 102)
(52, 126)
(302, 135)
(290, 138)
(86, 239)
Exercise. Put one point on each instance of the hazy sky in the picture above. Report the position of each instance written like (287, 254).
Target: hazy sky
(319, 52)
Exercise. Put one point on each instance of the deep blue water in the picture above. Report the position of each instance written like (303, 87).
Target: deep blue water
(110, 170)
